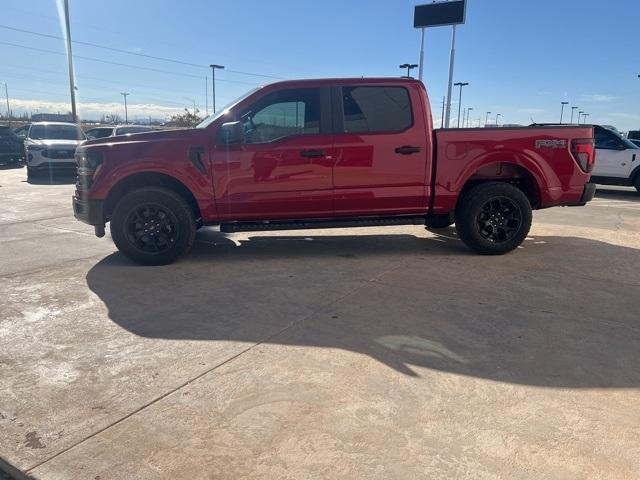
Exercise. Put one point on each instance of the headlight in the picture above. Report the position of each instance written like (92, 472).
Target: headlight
(90, 159)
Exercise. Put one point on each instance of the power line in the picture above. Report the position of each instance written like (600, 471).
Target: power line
(199, 77)
(137, 54)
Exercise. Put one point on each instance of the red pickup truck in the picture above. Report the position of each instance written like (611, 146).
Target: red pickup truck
(332, 153)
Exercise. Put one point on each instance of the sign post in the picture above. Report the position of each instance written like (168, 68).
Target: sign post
(440, 14)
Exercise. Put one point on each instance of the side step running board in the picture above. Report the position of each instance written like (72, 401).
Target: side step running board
(310, 224)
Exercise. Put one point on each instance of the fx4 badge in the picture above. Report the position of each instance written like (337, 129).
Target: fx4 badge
(551, 143)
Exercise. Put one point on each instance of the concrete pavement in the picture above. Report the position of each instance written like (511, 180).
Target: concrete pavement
(362, 353)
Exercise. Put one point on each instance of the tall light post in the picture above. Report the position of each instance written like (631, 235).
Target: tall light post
(469, 115)
(6, 94)
(486, 119)
(579, 115)
(409, 67)
(213, 83)
(460, 84)
(497, 117)
(126, 112)
(72, 82)
(573, 109)
(585, 117)
(562, 110)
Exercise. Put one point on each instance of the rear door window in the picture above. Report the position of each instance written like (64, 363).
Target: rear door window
(376, 109)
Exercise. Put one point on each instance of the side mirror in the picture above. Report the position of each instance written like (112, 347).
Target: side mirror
(230, 133)
(621, 146)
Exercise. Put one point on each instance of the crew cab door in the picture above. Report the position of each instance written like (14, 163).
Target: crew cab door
(381, 149)
(614, 157)
(282, 167)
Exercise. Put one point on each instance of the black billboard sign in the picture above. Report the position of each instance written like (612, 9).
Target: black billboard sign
(438, 14)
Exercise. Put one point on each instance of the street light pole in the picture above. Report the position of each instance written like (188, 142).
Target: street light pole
(585, 117)
(444, 103)
(579, 115)
(213, 83)
(451, 60)
(72, 82)
(460, 84)
(497, 117)
(572, 110)
(409, 67)
(6, 94)
(486, 119)
(126, 113)
(562, 110)
(469, 115)
(421, 55)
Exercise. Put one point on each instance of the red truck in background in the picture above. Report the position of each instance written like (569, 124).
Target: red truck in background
(332, 153)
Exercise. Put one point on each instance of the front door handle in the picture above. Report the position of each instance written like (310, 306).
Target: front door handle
(312, 153)
(407, 150)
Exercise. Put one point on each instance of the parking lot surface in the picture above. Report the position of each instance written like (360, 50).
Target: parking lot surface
(372, 353)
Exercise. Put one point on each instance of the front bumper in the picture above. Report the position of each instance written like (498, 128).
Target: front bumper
(90, 211)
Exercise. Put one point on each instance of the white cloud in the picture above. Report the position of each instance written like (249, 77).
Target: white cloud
(93, 110)
(597, 97)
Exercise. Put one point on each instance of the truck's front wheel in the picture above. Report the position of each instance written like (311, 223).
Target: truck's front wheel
(493, 218)
(153, 226)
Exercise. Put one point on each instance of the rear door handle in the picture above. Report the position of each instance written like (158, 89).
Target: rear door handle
(312, 153)
(407, 150)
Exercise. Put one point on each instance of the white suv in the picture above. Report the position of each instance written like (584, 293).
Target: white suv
(51, 146)
(617, 159)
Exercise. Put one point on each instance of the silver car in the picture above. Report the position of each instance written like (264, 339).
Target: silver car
(51, 146)
(113, 131)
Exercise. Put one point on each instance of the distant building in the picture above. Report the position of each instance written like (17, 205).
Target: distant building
(51, 117)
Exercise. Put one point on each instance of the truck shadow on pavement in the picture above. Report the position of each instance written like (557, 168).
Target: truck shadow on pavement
(559, 312)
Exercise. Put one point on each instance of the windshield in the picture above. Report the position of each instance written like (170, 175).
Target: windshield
(56, 132)
(212, 118)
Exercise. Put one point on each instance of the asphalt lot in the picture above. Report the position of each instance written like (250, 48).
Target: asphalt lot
(364, 353)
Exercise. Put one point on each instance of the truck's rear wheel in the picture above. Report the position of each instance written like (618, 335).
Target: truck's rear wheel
(493, 218)
(153, 226)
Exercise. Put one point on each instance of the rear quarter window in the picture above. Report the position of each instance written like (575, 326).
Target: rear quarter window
(376, 109)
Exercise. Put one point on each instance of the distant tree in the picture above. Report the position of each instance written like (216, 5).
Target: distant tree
(186, 119)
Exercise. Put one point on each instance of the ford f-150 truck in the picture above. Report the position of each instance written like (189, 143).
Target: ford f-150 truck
(311, 154)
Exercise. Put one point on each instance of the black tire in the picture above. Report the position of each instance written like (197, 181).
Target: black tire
(153, 226)
(31, 174)
(441, 221)
(493, 218)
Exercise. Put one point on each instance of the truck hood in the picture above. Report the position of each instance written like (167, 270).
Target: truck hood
(161, 135)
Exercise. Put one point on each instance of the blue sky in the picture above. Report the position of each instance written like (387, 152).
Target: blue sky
(521, 58)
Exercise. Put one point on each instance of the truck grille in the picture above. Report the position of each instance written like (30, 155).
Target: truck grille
(58, 153)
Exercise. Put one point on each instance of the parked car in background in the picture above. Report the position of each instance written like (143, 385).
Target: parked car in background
(11, 147)
(617, 159)
(114, 131)
(21, 132)
(51, 146)
(633, 135)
